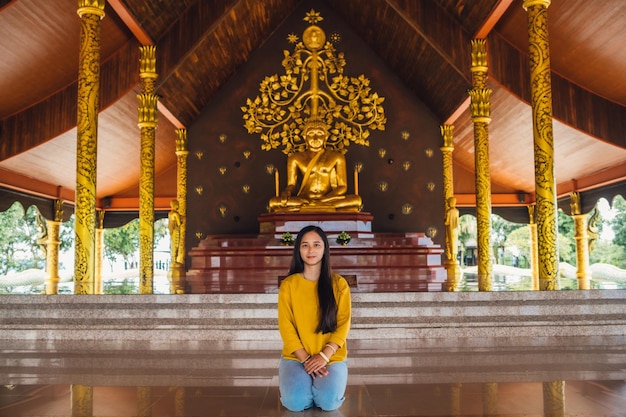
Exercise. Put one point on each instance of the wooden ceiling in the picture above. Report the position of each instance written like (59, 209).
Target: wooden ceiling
(201, 44)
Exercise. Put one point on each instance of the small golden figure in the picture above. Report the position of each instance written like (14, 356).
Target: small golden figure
(452, 229)
(174, 224)
(323, 186)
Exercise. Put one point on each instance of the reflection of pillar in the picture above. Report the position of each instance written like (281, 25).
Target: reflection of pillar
(144, 401)
(177, 269)
(534, 261)
(82, 400)
(90, 13)
(98, 286)
(490, 399)
(545, 183)
(452, 265)
(480, 108)
(582, 243)
(179, 402)
(554, 399)
(455, 400)
(147, 123)
(52, 249)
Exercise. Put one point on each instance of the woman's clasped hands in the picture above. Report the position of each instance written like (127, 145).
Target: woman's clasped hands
(316, 366)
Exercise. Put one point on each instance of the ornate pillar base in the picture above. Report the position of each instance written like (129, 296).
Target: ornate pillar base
(52, 285)
(453, 270)
(177, 278)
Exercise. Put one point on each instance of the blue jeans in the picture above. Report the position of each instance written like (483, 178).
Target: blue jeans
(299, 391)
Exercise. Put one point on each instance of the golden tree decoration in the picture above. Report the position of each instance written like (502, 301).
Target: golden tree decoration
(313, 87)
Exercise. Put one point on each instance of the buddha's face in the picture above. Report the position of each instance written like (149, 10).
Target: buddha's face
(315, 138)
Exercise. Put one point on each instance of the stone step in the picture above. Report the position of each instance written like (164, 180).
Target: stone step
(253, 316)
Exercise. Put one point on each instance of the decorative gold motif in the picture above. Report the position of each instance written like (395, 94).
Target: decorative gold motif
(199, 235)
(405, 134)
(335, 37)
(199, 155)
(406, 165)
(92, 7)
(346, 104)
(223, 210)
(246, 154)
(383, 186)
(574, 203)
(223, 137)
(181, 142)
(223, 170)
(430, 186)
(147, 110)
(429, 152)
(269, 169)
(245, 188)
(358, 167)
(382, 152)
(407, 208)
(431, 232)
(175, 222)
(199, 190)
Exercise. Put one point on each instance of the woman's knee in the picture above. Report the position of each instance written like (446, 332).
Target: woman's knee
(327, 403)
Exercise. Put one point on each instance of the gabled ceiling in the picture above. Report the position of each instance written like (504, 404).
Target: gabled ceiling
(201, 44)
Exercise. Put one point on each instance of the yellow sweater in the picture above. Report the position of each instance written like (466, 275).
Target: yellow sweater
(298, 317)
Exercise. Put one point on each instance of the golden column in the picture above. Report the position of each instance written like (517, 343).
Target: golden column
(98, 286)
(490, 399)
(480, 109)
(545, 183)
(582, 243)
(178, 246)
(147, 123)
(52, 249)
(90, 12)
(82, 400)
(534, 262)
(451, 219)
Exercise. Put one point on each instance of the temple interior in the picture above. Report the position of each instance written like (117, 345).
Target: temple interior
(241, 121)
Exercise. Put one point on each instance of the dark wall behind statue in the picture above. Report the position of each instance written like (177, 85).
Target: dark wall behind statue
(221, 176)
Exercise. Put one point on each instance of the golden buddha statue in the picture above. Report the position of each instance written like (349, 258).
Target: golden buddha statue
(323, 182)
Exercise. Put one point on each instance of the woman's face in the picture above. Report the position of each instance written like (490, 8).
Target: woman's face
(311, 248)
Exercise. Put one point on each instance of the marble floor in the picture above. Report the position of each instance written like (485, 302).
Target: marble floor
(565, 376)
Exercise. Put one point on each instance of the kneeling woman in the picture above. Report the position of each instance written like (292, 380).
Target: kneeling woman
(314, 311)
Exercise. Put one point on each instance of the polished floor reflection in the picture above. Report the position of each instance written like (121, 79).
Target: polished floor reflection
(401, 377)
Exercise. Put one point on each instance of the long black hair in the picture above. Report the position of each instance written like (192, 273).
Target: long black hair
(325, 292)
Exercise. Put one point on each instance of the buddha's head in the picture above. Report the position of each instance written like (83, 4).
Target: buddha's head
(315, 133)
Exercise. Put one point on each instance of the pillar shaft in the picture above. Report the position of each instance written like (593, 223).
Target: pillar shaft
(52, 257)
(90, 12)
(147, 123)
(98, 284)
(554, 399)
(534, 262)
(545, 182)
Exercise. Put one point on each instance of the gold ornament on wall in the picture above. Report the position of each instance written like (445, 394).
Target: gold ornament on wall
(407, 208)
(406, 165)
(431, 232)
(430, 186)
(269, 169)
(246, 154)
(199, 190)
(223, 210)
(245, 188)
(382, 152)
(222, 138)
(428, 152)
(313, 87)
(358, 167)
(199, 235)
(383, 186)
(405, 134)
(223, 170)
(199, 155)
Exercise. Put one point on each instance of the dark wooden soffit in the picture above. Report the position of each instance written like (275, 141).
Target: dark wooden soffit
(440, 47)
(213, 52)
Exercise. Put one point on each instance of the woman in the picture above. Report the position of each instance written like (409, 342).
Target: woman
(314, 312)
